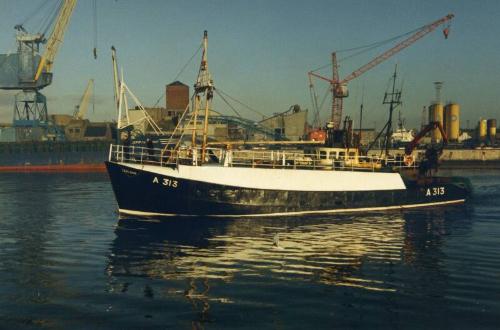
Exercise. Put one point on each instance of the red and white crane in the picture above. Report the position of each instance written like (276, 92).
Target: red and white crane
(339, 86)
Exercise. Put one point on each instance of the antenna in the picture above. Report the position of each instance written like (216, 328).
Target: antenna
(392, 98)
(438, 85)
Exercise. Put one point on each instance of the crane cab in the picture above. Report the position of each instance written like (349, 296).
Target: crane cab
(341, 91)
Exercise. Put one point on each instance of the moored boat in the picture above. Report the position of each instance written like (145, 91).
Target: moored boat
(232, 183)
(190, 177)
(53, 156)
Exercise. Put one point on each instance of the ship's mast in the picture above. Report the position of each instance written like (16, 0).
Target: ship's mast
(204, 91)
(393, 99)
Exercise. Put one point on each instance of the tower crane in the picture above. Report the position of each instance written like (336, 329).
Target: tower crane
(56, 37)
(339, 86)
(82, 108)
(29, 72)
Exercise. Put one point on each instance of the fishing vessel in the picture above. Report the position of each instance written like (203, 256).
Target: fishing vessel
(189, 176)
(155, 182)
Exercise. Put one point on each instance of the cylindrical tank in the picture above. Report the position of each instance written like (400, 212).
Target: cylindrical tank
(436, 115)
(482, 131)
(452, 121)
(492, 129)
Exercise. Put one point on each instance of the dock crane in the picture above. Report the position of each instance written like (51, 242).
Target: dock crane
(339, 86)
(56, 37)
(29, 71)
(82, 108)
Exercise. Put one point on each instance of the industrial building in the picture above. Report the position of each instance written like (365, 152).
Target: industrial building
(291, 124)
(177, 98)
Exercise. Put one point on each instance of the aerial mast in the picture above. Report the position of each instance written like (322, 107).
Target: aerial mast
(204, 92)
(393, 99)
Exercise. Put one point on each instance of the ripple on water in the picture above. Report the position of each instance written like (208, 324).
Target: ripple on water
(67, 262)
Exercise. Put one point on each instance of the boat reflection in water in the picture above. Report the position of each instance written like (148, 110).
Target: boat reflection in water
(325, 250)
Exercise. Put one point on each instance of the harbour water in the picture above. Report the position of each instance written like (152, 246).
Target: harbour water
(68, 262)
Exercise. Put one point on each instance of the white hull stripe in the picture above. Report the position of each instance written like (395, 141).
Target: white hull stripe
(364, 209)
(280, 179)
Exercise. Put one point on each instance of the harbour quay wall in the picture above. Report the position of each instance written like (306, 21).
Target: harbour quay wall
(470, 155)
(452, 154)
(481, 158)
(470, 158)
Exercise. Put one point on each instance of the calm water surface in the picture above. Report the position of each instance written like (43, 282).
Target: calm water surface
(68, 262)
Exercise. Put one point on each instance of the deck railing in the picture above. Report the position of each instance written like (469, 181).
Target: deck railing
(283, 159)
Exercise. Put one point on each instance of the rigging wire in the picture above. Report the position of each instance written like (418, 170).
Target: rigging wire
(241, 103)
(50, 18)
(312, 94)
(381, 42)
(94, 26)
(327, 92)
(188, 62)
(318, 109)
(367, 47)
(229, 105)
(322, 67)
(180, 72)
(32, 14)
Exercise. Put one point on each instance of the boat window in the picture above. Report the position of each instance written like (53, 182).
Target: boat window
(342, 155)
(322, 155)
(332, 155)
(352, 155)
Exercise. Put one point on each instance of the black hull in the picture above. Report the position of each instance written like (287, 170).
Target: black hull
(145, 193)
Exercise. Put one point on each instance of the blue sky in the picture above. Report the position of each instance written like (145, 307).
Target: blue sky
(260, 52)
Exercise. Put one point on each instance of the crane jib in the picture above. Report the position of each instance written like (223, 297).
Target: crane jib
(337, 104)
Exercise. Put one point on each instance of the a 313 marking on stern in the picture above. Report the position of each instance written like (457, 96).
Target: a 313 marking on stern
(166, 182)
(435, 191)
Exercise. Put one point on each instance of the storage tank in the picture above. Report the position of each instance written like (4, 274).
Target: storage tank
(492, 129)
(482, 132)
(436, 114)
(452, 121)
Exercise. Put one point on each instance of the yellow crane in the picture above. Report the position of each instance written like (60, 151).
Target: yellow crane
(56, 37)
(82, 108)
